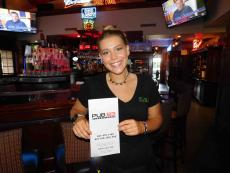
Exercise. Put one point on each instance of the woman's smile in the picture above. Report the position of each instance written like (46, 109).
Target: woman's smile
(114, 54)
(116, 64)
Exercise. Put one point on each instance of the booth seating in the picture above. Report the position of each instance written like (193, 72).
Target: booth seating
(12, 158)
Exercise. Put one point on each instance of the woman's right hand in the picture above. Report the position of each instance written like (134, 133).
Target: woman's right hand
(81, 128)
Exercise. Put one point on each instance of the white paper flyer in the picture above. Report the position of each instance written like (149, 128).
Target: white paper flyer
(103, 122)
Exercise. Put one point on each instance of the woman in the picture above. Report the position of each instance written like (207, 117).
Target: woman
(139, 106)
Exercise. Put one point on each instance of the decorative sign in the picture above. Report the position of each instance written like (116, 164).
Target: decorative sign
(196, 44)
(88, 16)
(88, 13)
(104, 2)
(88, 24)
(184, 52)
(70, 3)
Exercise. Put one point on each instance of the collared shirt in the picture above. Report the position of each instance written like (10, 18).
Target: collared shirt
(16, 26)
(178, 15)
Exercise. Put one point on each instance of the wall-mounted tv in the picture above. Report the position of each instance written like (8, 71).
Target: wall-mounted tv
(180, 11)
(17, 21)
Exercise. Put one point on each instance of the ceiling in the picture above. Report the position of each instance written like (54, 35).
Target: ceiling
(50, 7)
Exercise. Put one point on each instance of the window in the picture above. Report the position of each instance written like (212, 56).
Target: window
(156, 66)
(7, 64)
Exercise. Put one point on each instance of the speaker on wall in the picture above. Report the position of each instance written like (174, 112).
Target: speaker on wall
(45, 7)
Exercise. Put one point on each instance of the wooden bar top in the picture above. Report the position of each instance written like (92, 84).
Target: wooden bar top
(35, 111)
(24, 107)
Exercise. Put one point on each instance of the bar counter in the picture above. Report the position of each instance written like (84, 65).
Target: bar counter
(26, 99)
(34, 111)
(205, 92)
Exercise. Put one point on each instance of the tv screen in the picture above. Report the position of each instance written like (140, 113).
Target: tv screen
(17, 21)
(180, 11)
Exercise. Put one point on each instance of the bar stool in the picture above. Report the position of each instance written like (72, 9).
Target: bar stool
(12, 158)
(74, 154)
(176, 137)
(160, 135)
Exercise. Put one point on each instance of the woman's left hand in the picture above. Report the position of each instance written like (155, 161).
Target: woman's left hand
(131, 127)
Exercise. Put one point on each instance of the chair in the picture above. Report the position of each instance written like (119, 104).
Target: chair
(10, 151)
(180, 121)
(74, 155)
(166, 108)
(31, 161)
(176, 137)
(159, 136)
(12, 158)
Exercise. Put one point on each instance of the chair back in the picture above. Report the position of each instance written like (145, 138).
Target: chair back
(166, 109)
(76, 149)
(183, 103)
(10, 151)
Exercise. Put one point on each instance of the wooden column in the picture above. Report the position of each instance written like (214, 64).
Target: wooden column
(222, 106)
(228, 32)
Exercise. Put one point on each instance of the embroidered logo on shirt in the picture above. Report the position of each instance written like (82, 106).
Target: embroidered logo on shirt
(143, 99)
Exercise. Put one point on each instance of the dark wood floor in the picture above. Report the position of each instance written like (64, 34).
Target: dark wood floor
(199, 122)
(200, 119)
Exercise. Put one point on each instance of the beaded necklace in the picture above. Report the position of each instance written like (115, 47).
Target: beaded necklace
(118, 83)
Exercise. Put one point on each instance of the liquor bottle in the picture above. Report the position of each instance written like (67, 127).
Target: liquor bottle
(203, 72)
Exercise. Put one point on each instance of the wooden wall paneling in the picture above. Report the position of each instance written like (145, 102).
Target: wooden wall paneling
(213, 64)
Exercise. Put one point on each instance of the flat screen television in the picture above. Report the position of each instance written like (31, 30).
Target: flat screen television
(177, 12)
(17, 21)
